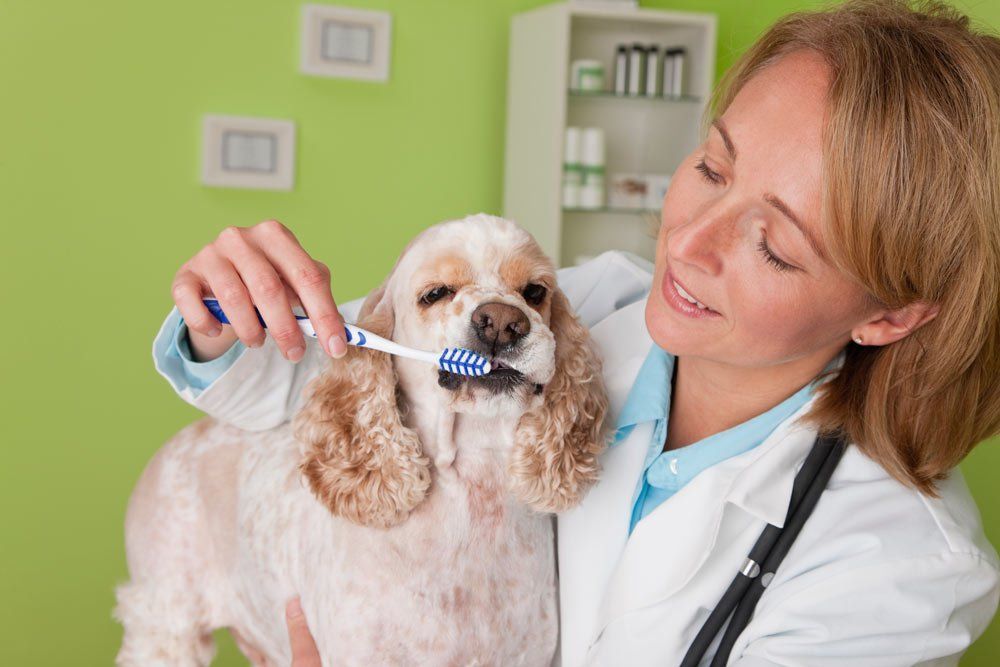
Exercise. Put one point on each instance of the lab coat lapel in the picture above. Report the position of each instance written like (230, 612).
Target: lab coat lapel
(669, 546)
(591, 537)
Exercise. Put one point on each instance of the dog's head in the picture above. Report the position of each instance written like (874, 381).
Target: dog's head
(480, 283)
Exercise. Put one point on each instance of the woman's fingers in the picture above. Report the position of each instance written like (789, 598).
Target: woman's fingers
(266, 289)
(226, 285)
(310, 280)
(262, 266)
(187, 291)
(304, 651)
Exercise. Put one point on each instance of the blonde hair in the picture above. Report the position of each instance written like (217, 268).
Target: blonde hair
(911, 212)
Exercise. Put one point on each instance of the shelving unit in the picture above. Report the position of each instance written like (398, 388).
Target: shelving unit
(642, 134)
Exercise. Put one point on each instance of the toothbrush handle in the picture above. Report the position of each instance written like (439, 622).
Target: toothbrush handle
(355, 335)
(213, 307)
(364, 338)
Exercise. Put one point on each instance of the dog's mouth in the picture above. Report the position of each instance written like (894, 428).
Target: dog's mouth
(502, 378)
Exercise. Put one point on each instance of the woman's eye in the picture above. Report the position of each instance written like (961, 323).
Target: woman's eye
(436, 294)
(534, 293)
(707, 173)
(771, 258)
(765, 251)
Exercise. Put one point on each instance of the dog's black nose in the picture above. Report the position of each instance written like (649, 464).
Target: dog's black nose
(499, 325)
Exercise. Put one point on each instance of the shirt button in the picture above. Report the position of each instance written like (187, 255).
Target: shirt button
(673, 466)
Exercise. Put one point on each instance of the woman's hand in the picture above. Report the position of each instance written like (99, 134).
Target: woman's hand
(263, 265)
(304, 651)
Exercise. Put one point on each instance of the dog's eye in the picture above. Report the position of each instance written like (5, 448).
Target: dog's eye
(534, 293)
(436, 294)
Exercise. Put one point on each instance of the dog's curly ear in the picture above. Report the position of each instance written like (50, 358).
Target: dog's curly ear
(554, 459)
(360, 460)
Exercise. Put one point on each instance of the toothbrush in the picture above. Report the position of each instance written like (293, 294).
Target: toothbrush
(452, 359)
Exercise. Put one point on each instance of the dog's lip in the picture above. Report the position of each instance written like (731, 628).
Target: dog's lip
(500, 370)
(497, 365)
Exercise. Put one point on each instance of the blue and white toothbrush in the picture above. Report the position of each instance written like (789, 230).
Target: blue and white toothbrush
(452, 359)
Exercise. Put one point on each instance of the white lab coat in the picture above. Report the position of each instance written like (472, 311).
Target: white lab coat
(879, 575)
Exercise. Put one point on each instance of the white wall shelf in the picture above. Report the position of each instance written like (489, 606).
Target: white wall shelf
(607, 94)
(610, 209)
(642, 134)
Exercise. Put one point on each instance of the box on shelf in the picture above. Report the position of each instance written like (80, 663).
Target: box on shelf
(638, 191)
(627, 190)
(656, 189)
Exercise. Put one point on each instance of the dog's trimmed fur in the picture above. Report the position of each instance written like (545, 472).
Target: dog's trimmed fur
(408, 507)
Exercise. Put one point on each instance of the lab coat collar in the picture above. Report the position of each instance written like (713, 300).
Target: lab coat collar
(678, 536)
(649, 399)
(763, 485)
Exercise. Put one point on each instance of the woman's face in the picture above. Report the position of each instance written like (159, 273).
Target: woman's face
(717, 227)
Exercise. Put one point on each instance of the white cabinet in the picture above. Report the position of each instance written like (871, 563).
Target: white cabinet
(642, 134)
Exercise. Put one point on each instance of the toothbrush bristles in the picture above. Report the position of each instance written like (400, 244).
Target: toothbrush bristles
(463, 362)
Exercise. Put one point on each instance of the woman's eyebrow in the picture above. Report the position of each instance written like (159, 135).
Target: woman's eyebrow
(771, 199)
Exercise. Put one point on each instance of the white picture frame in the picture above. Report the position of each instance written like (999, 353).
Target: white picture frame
(248, 152)
(345, 42)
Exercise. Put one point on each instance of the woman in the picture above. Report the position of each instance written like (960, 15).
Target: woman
(841, 225)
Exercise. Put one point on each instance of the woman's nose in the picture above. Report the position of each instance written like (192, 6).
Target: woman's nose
(706, 238)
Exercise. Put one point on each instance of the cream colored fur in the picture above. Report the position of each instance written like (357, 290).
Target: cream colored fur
(411, 518)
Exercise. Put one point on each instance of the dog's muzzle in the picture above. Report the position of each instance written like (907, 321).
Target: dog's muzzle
(497, 331)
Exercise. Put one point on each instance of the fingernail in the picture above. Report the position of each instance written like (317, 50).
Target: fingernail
(337, 346)
(295, 354)
(294, 609)
(215, 332)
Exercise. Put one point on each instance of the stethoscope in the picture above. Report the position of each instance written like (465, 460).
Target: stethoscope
(767, 553)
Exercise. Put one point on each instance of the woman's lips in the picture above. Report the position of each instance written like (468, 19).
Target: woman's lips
(679, 303)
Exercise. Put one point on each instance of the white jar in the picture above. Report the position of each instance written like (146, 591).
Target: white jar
(572, 179)
(587, 76)
(592, 159)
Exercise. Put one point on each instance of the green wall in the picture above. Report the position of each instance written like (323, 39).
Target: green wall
(100, 203)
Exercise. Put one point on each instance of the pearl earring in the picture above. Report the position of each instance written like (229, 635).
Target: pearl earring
(857, 339)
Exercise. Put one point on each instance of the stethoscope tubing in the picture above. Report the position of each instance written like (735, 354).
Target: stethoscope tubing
(744, 612)
(766, 554)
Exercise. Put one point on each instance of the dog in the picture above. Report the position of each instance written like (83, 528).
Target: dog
(410, 508)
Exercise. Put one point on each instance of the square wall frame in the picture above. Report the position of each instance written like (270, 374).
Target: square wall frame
(345, 42)
(248, 152)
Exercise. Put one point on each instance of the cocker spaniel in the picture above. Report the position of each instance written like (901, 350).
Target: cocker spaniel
(408, 507)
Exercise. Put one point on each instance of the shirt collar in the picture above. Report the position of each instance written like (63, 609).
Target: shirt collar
(649, 398)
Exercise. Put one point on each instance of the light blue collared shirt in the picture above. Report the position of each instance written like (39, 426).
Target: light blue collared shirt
(664, 473)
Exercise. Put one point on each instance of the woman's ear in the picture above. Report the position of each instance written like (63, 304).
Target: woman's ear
(360, 460)
(554, 459)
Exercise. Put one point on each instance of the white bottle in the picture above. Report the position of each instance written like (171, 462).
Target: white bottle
(621, 70)
(572, 179)
(637, 70)
(667, 73)
(592, 158)
(653, 77)
(677, 78)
